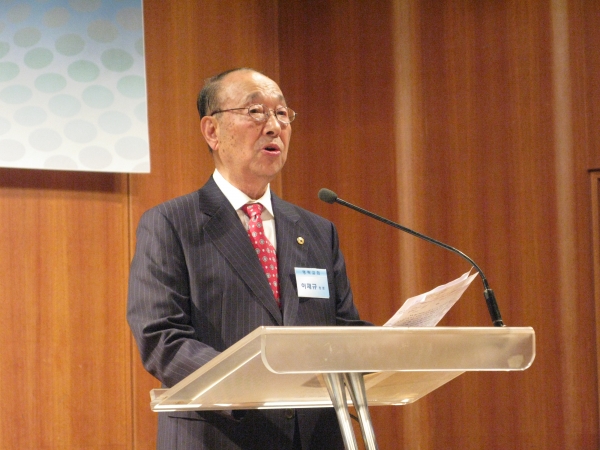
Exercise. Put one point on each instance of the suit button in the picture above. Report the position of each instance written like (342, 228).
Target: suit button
(289, 413)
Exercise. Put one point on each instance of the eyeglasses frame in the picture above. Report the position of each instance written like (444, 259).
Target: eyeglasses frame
(271, 111)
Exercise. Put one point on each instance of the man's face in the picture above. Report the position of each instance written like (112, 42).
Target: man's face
(249, 154)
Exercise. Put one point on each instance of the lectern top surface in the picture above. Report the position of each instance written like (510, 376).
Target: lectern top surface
(276, 367)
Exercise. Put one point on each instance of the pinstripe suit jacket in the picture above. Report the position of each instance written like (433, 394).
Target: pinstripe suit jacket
(196, 287)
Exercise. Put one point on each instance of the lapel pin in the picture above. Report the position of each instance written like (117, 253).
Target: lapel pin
(300, 240)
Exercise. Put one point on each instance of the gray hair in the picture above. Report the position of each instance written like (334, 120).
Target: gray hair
(208, 98)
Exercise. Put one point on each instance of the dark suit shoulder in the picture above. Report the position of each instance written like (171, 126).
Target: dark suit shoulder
(292, 210)
(187, 201)
(177, 212)
(206, 200)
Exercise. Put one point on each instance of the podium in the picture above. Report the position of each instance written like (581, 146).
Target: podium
(307, 367)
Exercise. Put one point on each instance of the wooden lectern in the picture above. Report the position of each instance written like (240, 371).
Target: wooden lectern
(306, 367)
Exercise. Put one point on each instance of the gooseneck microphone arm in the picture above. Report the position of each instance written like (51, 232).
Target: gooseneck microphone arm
(329, 196)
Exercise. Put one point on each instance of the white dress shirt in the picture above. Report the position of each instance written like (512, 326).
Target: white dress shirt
(238, 199)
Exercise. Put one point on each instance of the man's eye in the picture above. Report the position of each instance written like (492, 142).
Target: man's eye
(283, 112)
(256, 109)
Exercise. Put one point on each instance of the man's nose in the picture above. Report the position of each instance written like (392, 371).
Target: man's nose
(272, 125)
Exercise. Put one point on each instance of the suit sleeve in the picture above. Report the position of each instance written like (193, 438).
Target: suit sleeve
(158, 304)
(346, 312)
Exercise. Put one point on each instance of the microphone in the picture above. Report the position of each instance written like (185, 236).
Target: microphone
(331, 197)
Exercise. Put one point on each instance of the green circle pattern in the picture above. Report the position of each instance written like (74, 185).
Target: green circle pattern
(8, 71)
(19, 13)
(4, 48)
(15, 95)
(70, 44)
(50, 83)
(132, 86)
(97, 96)
(83, 71)
(102, 31)
(56, 17)
(27, 37)
(117, 60)
(38, 58)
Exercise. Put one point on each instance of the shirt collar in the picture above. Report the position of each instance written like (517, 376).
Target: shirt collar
(237, 198)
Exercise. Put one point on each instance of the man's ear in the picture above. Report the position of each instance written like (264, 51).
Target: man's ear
(210, 130)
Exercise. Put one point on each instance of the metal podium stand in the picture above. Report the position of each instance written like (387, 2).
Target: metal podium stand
(307, 367)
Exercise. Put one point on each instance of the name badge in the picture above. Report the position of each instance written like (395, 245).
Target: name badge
(312, 282)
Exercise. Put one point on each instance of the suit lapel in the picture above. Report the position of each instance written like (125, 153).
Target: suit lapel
(228, 235)
(290, 254)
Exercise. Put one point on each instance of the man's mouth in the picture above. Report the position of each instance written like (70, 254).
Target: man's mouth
(271, 148)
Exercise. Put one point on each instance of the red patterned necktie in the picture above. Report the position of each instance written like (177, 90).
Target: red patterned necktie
(264, 249)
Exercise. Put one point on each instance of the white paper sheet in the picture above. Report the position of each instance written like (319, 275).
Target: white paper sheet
(427, 309)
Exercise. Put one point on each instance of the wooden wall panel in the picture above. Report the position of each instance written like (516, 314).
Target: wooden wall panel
(487, 152)
(496, 168)
(595, 209)
(65, 356)
(584, 33)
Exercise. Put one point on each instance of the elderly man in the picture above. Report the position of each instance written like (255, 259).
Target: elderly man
(196, 283)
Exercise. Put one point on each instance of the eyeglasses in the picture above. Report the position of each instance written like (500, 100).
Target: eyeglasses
(261, 113)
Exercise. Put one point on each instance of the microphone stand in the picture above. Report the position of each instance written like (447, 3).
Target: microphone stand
(329, 196)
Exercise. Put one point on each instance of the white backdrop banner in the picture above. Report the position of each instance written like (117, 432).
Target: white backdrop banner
(73, 85)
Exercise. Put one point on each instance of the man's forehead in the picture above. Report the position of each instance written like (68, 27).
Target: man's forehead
(260, 95)
(250, 87)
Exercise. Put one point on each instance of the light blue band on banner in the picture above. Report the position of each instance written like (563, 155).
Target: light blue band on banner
(73, 86)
